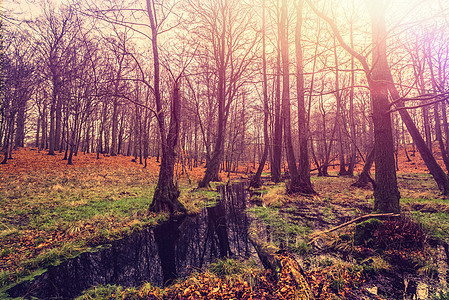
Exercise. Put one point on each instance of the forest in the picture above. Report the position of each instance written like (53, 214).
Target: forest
(224, 149)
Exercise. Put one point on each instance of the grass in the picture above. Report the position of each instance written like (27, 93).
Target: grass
(436, 224)
(50, 211)
(375, 264)
(195, 199)
(283, 232)
(229, 266)
(274, 196)
(444, 295)
(47, 216)
(102, 292)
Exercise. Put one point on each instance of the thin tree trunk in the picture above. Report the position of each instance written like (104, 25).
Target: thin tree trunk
(338, 115)
(294, 185)
(255, 182)
(113, 150)
(404, 142)
(277, 136)
(439, 136)
(352, 114)
(51, 138)
(305, 185)
(38, 126)
(44, 127)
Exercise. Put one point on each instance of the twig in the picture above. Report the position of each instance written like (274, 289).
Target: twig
(356, 220)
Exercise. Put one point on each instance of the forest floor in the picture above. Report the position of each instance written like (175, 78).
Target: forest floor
(50, 211)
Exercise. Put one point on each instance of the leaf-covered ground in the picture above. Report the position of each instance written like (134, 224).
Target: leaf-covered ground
(50, 211)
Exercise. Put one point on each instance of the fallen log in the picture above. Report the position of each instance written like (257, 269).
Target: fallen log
(315, 235)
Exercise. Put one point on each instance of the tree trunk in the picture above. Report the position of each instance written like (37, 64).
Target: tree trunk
(20, 124)
(51, 137)
(277, 135)
(38, 126)
(365, 178)
(8, 137)
(386, 193)
(352, 114)
(255, 181)
(113, 150)
(439, 136)
(405, 142)
(305, 185)
(58, 122)
(166, 193)
(445, 123)
(294, 185)
(44, 127)
(213, 166)
(338, 116)
(72, 142)
(426, 125)
(435, 169)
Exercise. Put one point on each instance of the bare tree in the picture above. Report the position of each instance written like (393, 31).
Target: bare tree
(305, 186)
(221, 26)
(386, 193)
(255, 181)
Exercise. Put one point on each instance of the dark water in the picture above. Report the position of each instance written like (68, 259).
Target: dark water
(157, 255)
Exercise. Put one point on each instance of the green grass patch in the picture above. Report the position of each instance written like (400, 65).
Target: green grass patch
(228, 266)
(436, 224)
(66, 212)
(408, 200)
(282, 231)
(194, 199)
(102, 292)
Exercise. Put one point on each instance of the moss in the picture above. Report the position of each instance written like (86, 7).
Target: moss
(364, 232)
(375, 264)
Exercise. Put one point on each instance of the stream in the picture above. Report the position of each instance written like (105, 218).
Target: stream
(157, 255)
(176, 248)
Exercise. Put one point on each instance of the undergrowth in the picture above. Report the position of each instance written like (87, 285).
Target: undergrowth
(48, 216)
(282, 232)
